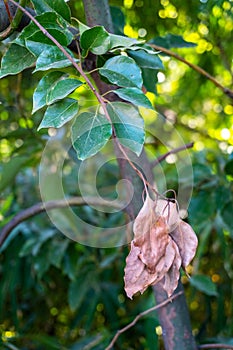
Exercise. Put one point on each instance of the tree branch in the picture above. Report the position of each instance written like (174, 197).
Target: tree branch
(198, 69)
(173, 151)
(41, 207)
(215, 346)
(144, 313)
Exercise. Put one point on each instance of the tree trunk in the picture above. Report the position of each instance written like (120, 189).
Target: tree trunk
(174, 317)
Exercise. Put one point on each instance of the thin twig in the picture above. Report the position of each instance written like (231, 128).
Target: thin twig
(198, 69)
(173, 151)
(131, 324)
(55, 204)
(215, 346)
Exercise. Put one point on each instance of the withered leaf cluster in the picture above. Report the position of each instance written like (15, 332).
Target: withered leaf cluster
(162, 244)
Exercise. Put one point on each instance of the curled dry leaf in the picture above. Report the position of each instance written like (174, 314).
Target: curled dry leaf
(162, 243)
(173, 274)
(186, 240)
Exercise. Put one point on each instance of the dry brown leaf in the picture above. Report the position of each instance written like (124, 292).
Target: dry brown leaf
(186, 240)
(153, 243)
(173, 274)
(137, 277)
(162, 243)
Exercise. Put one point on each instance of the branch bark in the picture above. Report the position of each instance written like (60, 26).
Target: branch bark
(44, 206)
(174, 317)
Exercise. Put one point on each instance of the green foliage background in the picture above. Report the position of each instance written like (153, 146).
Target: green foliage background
(58, 294)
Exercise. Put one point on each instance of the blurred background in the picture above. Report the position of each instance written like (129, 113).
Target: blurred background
(58, 294)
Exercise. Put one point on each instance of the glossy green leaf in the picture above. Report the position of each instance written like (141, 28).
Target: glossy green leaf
(58, 6)
(146, 60)
(59, 113)
(90, 132)
(96, 40)
(43, 88)
(122, 71)
(52, 58)
(135, 96)
(150, 79)
(128, 124)
(171, 41)
(123, 42)
(16, 59)
(204, 284)
(62, 88)
(53, 23)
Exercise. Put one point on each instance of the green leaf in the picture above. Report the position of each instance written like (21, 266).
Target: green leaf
(171, 41)
(118, 18)
(135, 96)
(226, 214)
(204, 284)
(229, 167)
(128, 124)
(59, 113)
(16, 59)
(96, 40)
(77, 292)
(53, 23)
(58, 6)
(62, 88)
(89, 133)
(53, 58)
(122, 42)
(43, 88)
(150, 79)
(122, 71)
(10, 169)
(146, 60)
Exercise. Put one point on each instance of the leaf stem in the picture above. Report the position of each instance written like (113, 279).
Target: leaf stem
(135, 320)
(173, 151)
(198, 69)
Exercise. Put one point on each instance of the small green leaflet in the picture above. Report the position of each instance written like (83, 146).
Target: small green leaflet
(59, 113)
(89, 133)
(122, 71)
(150, 79)
(43, 88)
(53, 58)
(120, 41)
(135, 96)
(145, 59)
(53, 23)
(16, 59)
(204, 284)
(62, 88)
(52, 87)
(128, 124)
(96, 40)
(58, 6)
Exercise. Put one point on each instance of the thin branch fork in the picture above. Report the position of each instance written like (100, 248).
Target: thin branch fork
(173, 151)
(144, 313)
(55, 204)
